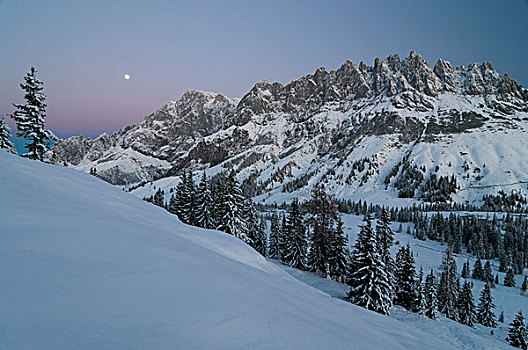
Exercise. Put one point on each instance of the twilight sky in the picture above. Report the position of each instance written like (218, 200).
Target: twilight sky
(82, 49)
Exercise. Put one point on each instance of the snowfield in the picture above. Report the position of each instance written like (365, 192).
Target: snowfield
(84, 265)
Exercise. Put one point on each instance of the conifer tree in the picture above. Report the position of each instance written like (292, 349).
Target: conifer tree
(488, 274)
(466, 306)
(385, 239)
(321, 216)
(173, 205)
(188, 207)
(230, 211)
(204, 211)
(518, 334)
(448, 287)
(274, 251)
(5, 134)
(509, 280)
(338, 254)
(431, 303)
(419, 303)
(284, 234)
(478, 272)
(255, 231)
(405, 275)
(524, 286)
(296, 242)
(159, 198)
(261, 244)
(485, 314)
(370, 286)
(497, 279)
(31, 117)
(501, 317)
(465, 270)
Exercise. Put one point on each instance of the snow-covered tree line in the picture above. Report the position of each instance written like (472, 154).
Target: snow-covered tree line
(217, 205)
(491, 237)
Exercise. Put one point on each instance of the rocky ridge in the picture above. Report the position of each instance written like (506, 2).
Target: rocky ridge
(283, 139)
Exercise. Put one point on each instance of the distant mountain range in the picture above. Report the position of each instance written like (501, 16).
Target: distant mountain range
(396, 132)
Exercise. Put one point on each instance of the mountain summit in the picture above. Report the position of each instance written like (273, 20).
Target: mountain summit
(398, 130)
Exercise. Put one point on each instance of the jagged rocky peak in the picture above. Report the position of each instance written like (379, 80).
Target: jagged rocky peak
(446, 73)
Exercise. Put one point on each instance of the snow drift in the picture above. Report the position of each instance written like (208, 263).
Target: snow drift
(86, 265)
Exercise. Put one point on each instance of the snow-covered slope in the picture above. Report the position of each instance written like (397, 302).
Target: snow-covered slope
(362, 131)
(428, 255)
(84, 265)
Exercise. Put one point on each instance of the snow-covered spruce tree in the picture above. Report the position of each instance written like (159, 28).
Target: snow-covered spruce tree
(405, 276)
(5, 134)
(217, 192)
(231, 218)
(274, 251)
(159, 198)
(448, 287)
(31, 117)
(524, 285)
(488, 274)
(173, 205)
(485, 314)
(284, 233)
(517, 333)
(177, 202)
(419, 303)
(465, 270)
(338, 254)
(431, 302)
(478, 272)
(385, 239)
(295, 237)
(261, 245)
(255, 232)
(509, 280)
(501, 317)
(369, 282)
(188, 208)
(204, 204)
(321, 213)
(466, 306)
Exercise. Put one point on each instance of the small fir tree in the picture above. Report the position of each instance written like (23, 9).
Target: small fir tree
(448, 287)
(485, 314)
(338, 259)
(478, 272)
(369, 281)
(419, 304)
(274, 251)
(405, 275)
(5, 134)
(524, 285)
(31, 117)
(488, 274)
(518, 334)
(466, 306)
(465, 270)
(509, 280)
(431, 303)
(296, 242)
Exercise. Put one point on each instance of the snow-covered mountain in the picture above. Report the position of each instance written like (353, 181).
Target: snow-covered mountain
(398, 129)
(85, 265)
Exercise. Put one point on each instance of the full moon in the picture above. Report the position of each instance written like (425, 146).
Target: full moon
(126, 76)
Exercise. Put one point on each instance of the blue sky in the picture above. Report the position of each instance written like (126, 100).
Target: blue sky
(83, 48)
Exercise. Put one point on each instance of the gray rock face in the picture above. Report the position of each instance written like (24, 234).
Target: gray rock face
(328, 114)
